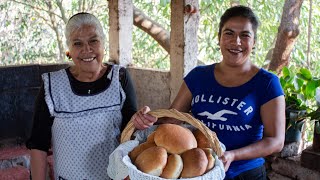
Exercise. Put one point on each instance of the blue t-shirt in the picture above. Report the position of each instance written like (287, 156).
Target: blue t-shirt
(233, 113)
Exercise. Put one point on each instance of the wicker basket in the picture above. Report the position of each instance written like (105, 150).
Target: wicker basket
(185, 117)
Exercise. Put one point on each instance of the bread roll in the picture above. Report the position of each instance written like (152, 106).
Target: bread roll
(173, 168)
(150, 138)
(139, 149)
(211, 160)
(174, 138)
(152, 160)
(195, 163)
(202, 140)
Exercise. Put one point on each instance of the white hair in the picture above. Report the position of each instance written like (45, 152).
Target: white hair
(80, 19)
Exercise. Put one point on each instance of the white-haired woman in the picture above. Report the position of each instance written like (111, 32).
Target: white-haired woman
(81, 110)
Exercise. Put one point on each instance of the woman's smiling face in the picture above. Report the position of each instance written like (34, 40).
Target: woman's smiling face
(236, 41)
(86, 50)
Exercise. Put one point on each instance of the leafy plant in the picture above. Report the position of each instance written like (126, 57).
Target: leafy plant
(315, 115)
(300, 89)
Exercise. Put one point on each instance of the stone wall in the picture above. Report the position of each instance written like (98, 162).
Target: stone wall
(152, 87)
(289, 168)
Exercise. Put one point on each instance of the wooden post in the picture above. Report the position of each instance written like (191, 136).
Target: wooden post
(183, 41)
(120, 32)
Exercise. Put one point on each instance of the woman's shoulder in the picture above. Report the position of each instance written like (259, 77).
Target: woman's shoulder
(202, 69)
(124, 75)
(56, 73)
(110, 66)
(266, 79)
(266, 75)
(199, 75)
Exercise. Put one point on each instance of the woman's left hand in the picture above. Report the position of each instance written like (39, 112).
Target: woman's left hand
(142, 120)
(227, 158)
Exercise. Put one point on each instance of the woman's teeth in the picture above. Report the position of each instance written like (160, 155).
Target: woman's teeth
(234, 51)
(88, 59)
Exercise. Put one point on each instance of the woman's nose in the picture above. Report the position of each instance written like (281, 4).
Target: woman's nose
(238, 40)
(87, 48)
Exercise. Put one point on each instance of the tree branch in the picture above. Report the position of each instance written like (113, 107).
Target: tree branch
(62, 11)
(155, 30)
(44, 19)
(56, 30)
(35, 7)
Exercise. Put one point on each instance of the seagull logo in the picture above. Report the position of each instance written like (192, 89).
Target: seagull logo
(218, 115)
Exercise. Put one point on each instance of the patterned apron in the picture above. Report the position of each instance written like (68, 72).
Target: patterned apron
(86, 128)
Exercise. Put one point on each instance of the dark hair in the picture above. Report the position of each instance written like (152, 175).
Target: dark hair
(239, 11)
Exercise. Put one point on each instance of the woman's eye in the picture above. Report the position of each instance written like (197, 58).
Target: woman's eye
(77, 43)
(228, 33)
(93, 41)
(246, 35)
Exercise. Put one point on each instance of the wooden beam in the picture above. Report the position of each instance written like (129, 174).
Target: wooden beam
(183, 41)
(120, 32)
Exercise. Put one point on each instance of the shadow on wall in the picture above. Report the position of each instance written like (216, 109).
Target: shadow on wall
(18, 90)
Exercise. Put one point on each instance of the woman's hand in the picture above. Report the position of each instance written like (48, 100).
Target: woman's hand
(142, 120)
(227, 158)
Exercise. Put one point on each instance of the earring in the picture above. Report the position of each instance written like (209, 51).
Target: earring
(68, 54)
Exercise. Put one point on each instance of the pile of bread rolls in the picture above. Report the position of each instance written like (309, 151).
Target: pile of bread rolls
(172, 152)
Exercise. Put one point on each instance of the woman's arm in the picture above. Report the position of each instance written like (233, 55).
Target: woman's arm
(38, 164)
(273, 118)
(40, 139)
(182, 103)
(130, 104)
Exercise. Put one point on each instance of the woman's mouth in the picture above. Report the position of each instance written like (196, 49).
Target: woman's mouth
(235, 51)
(88, 59)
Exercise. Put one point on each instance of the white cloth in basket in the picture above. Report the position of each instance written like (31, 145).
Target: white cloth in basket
(120, 165)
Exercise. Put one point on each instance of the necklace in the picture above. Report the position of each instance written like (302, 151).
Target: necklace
(89, 91)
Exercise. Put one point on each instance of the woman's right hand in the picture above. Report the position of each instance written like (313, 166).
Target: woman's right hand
(227, 158)
(142, 120)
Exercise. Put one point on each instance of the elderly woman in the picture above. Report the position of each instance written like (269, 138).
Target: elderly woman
(242, 103)
(82, 109)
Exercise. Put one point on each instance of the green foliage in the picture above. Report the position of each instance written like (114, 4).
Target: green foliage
(25, 40)
(164, 2)
(299, 53)
(27, 34)
(300, 88)
(147, 53)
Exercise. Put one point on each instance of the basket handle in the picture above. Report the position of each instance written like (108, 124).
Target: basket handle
(185, 117)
